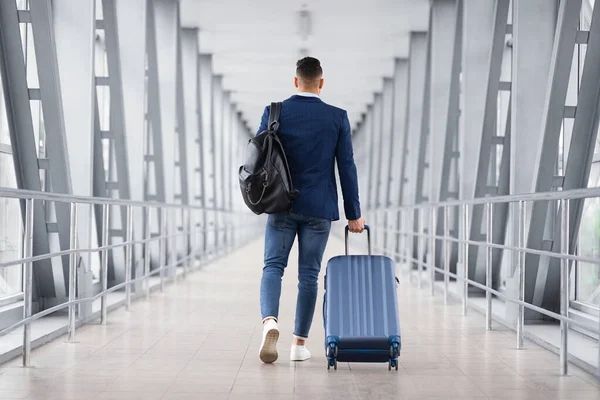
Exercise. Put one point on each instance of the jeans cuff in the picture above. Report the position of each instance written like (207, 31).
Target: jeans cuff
(300, 337)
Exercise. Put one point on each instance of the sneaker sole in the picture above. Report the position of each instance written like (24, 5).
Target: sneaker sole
(268, 352)
(299, 359)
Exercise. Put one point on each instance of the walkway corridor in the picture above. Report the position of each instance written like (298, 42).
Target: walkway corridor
(199, 340)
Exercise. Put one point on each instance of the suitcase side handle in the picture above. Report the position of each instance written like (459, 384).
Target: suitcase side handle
(368, 229)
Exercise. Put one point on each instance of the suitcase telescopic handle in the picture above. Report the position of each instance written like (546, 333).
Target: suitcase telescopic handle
(368, 229)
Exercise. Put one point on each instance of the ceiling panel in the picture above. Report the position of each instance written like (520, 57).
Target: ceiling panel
(256, 45)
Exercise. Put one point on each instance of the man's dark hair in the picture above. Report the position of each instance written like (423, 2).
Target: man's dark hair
(308, 70)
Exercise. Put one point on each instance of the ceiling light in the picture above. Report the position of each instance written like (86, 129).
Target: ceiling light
(304, 23)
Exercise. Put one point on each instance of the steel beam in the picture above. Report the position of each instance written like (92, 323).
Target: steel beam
(580, 157)
(156, 171)
(423, 158)
(385, 154)
(118, 166)
(54, 124)
(217, 123)
(537, 281)
(401, 85)
(202, 152)
(74, 29)
(446, 47)
(166, 15)
(23, 143)
(370, 134)
(377, 132)
(184, 165)
(484, 161)
(206, 103)
(189, 50)
(416, 92)
(131, 31)
(534, 26)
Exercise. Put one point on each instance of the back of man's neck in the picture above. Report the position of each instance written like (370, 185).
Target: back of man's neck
(313, 91)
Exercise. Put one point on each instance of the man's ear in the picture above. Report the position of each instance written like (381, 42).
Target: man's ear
(296, 82)
(321, 83)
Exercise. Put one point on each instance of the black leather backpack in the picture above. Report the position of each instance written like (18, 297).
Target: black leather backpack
(265, 178)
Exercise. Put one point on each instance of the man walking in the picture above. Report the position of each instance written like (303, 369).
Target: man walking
(315, 136)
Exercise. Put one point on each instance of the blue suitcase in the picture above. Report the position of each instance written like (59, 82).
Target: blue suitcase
(360, 309)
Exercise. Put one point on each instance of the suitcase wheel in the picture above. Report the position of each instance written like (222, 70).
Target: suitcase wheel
(332, 363)
(332, 352)
(394, 353)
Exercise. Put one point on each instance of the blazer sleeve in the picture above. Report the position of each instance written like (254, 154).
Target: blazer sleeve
(347, 170)
(264, 120)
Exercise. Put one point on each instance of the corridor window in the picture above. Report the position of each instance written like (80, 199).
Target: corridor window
(585, 277)
(11, 278)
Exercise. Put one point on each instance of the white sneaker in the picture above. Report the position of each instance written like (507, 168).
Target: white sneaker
(299, 353)
(268, 348)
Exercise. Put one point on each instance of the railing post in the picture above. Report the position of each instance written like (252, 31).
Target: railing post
(187, 239)
(488, 264)
(148, 236)
(465, 237)
(421, 246)
(72, 272)
(173, 250)
(128, 257)
(564, 285)
(433, 227)
(104, 274)
(217, 241)
(446, 253)
(409, 240)
(521, 274)
(162, 252)
(28, 282)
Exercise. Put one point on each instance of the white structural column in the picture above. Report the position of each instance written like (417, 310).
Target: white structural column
(131, 29)
(399, 135)
(369, 158)
(376, 140)
(225, 151)
(54, 125)
(74, 29)
(478, 34)
(417, 66)
(217, 123)
(534, 26)
(443, 101)
(208, 165)
(189, 50)
(444, 20)
(478, 29)
(165, 16)
(384, 155)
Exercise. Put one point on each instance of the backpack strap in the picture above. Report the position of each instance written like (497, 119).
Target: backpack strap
(274, 114)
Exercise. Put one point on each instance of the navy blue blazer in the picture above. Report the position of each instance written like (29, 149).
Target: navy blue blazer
(314, 136)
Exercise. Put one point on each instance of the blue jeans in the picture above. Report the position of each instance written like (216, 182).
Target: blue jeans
(313, 234)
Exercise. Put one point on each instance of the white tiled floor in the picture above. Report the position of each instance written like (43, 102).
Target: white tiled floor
(199, 340)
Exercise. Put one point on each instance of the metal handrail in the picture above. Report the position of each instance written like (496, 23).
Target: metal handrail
(91, 299)
(70, 198)
(570, 257)
(507, 298)
(102, 248)
(168, 233)
(573, 194)
(430, 234)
